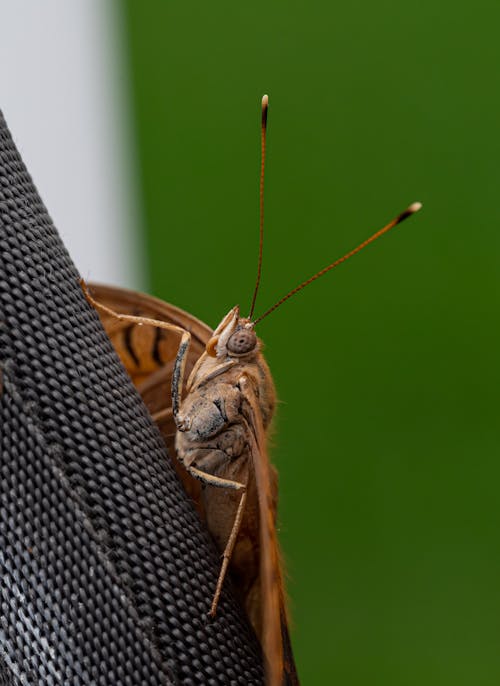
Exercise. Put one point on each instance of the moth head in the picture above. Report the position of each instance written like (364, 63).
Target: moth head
(234, 337)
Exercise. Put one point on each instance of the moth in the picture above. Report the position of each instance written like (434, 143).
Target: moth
(217, 425)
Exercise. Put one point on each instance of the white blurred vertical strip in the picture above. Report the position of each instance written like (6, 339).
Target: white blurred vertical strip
(63, 92)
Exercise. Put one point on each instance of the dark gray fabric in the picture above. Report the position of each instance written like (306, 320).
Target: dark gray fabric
(106, 573)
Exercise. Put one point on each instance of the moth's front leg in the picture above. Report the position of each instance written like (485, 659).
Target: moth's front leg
(181, 357)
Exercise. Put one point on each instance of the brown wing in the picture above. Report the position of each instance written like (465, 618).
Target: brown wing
(276, 645)
(148, 354)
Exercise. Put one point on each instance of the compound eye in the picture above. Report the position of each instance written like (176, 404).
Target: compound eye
(242, 341)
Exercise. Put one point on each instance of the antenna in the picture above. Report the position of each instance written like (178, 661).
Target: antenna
(414, 207)
(265, 105)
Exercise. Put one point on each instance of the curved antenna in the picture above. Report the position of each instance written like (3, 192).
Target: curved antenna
(414, 207)
(265, 105)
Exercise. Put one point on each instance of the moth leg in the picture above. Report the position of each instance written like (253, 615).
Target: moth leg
(180, 360)
(218, 482)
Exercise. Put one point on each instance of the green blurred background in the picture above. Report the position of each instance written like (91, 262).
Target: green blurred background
(387, 369)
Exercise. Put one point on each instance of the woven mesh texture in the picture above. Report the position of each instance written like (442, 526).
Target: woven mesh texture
(106, 573)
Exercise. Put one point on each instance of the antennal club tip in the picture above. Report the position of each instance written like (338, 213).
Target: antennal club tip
(414, 207)
(265, 103)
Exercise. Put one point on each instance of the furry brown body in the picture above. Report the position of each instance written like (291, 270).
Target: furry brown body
(219, 413)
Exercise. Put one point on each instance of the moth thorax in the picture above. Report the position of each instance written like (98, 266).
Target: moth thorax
(242, 342)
